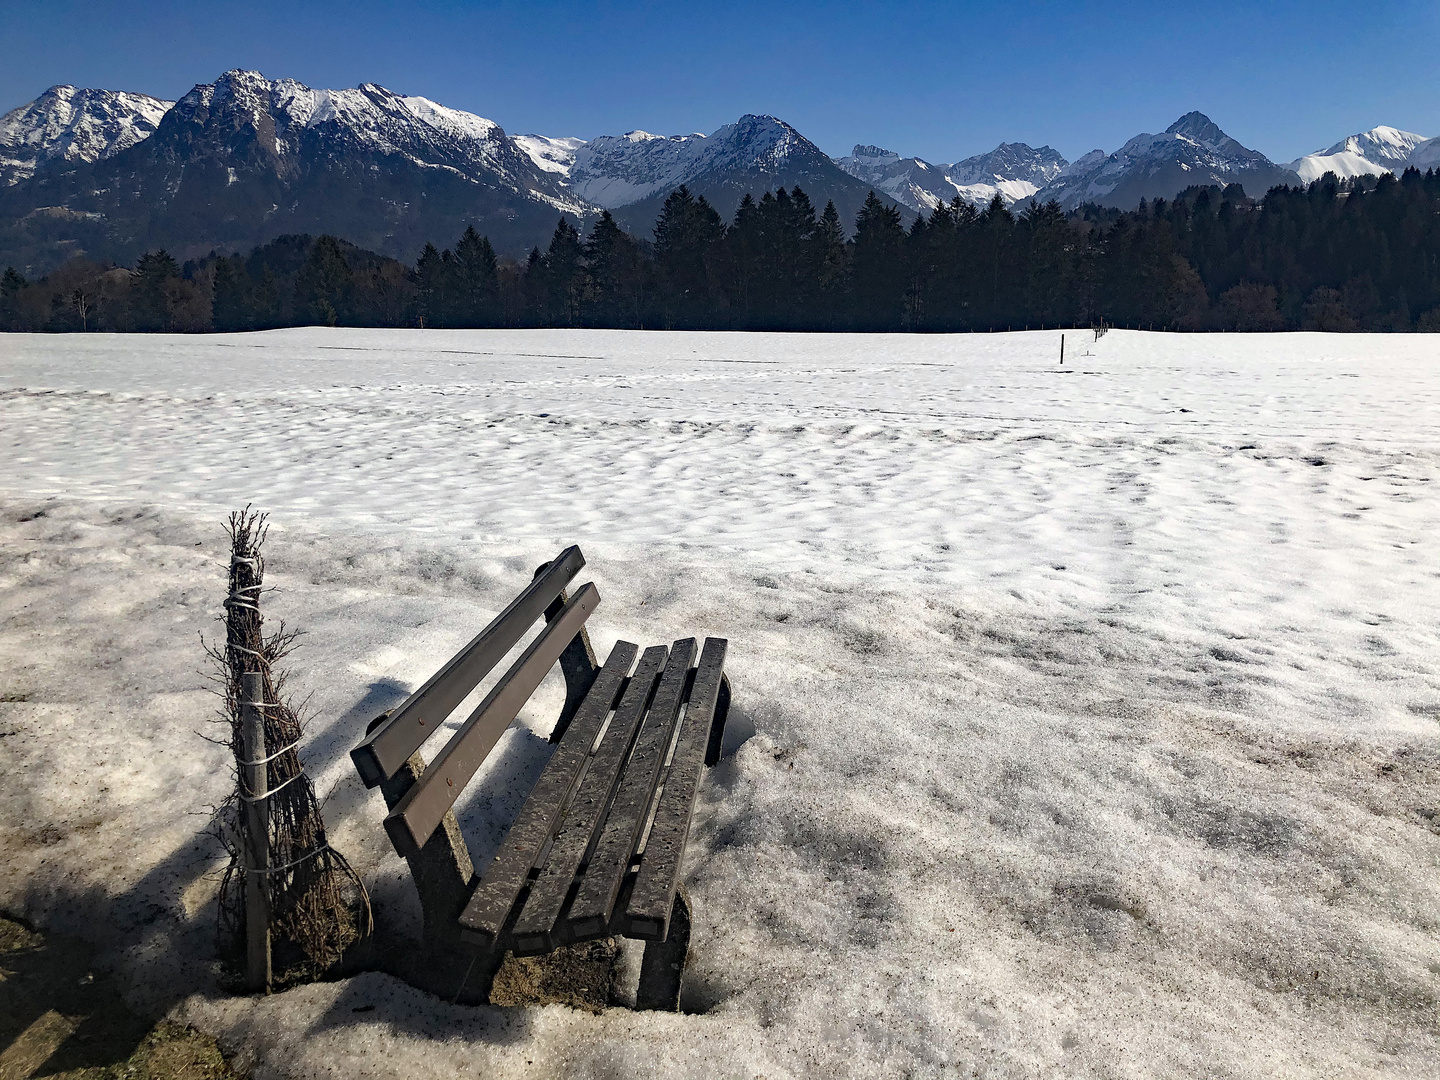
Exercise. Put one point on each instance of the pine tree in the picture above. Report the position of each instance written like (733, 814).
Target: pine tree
(231, 309)
(431, 276)
(686, 236)
(616, 294)
(324, 285)
(10, 288)
(833, 264)
(477, 286)
(879, 266)
(564, 273)
(152, 290)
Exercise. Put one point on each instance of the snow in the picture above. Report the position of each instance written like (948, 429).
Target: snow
(616, 170)
(74, 125)
(1085, 719)
(453, 122)
(1370, 153)
(1008, 171)
(550, 155)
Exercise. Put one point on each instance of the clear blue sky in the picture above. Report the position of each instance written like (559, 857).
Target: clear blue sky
(939, 80)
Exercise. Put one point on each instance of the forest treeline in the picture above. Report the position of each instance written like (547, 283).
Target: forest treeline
(1336, 255)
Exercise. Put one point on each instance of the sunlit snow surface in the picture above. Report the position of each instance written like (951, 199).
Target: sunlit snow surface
(1085, 719)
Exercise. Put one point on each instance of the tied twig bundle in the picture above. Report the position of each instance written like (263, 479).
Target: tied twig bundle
(318, 905)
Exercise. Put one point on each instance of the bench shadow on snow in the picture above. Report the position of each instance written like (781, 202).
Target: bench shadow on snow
(175, 953)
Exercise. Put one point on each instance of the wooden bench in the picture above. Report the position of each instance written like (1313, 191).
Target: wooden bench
(596, 849)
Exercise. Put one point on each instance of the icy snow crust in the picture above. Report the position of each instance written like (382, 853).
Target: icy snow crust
(1085, 720)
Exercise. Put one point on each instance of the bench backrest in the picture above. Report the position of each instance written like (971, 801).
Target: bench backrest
(385, 749)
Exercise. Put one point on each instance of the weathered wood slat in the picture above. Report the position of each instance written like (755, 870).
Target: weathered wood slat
(535, 927)
(383, 751)
(416, 816)
(595, 901)
(647, 913)
(489, 906)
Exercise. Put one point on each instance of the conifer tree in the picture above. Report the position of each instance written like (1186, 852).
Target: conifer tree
(616, 294)
(152, 290)
(231, 309)
(431, 277)
(10, 287)
(564, 275)
(324, 285)
(830, 240)
(686, 236)
(879, 266)
(477, 286)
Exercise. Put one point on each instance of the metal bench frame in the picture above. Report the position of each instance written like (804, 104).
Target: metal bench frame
(597, 846)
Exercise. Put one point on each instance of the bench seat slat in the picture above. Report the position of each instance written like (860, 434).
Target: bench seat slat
(535, 927)
(381, 753)
(647, 913)
(595, 901)
(416, 816)
(489, 906)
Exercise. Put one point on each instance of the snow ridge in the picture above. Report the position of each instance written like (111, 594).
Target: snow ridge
(290, 119)
(66, 124)
(616, 170)
(1013, 171)
(1191, 151)
(1370, 153)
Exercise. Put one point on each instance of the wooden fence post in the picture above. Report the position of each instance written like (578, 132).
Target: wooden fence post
(257, 835)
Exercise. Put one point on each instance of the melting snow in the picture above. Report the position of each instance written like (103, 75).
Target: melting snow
(1085, 718)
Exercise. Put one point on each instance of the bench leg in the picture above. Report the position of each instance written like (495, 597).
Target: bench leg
(717, 725)
(442, 871)
(663, 967)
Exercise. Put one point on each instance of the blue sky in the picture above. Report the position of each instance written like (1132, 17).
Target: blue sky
(939, 80)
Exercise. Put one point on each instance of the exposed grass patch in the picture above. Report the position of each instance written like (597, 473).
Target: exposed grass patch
(60, 1019)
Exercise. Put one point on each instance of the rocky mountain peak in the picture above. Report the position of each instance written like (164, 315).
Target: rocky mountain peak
(67, 124)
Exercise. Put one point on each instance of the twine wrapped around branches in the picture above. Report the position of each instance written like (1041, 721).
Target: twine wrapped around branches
(318, 905)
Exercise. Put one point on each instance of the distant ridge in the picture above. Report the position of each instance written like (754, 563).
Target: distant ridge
(242, 160)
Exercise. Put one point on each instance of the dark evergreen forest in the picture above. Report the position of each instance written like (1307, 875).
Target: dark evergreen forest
(1336, 255)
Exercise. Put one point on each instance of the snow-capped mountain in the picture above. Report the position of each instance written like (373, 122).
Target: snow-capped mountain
(239, 161)
(286, 125)
(1015, 163)
(1014, 171)
(1191, 151)
(1379, 150)
(632, 174)
(911, 182)
(65, 124)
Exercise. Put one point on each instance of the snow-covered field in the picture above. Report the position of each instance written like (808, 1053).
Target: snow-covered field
(1085, 720)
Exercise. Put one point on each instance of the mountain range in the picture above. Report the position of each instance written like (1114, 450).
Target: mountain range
(237, 162)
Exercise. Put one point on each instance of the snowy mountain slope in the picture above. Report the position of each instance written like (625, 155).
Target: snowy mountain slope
(1014, 162)
(632, 174)
(244, 159)
(911, 182)
(549, 155)
(67, 124)
(1191, 151)
(288, 120)
(1014, 171)
(1426, 155)
(1379, 150)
